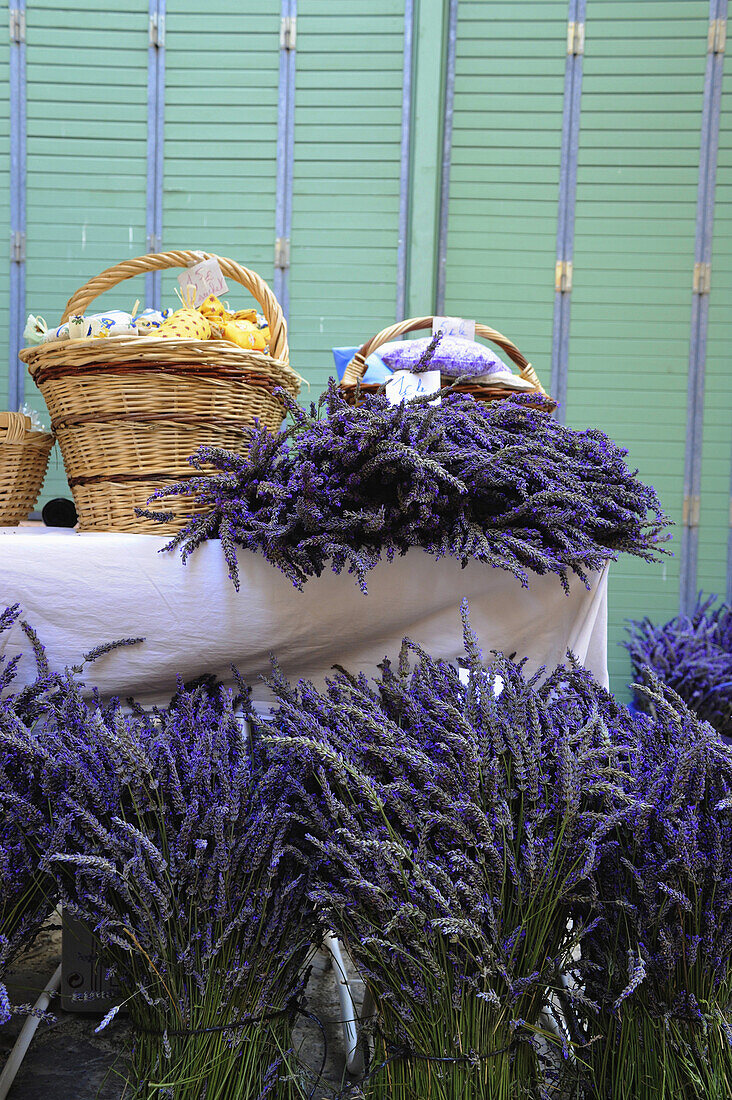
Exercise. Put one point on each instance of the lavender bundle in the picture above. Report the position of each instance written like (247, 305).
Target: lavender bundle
(499, 482)
(53, 701)
(172, 840)
(455, 833)
(169, 835)
(658, 964)
(692, 655)
(25, 899)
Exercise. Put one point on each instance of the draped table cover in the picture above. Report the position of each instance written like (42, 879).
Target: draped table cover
(81, 590)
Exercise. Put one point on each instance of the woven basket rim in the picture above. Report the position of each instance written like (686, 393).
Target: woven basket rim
(199, 358)
(91, 351)
(33, 438)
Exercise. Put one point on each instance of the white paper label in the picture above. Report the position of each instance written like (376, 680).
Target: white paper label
(498, 685)
(207, 278)
(404, 385)
(454, 326)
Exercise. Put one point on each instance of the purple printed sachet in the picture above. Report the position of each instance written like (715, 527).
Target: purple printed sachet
(454, 356)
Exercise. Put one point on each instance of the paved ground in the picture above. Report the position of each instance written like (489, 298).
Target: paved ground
(67, 1061)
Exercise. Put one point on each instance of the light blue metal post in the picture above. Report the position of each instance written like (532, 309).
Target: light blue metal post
(16, 304)
(155, 144)
(700, 306)
(285, 153)
(567, 201)
(446, 156)
(404, 173)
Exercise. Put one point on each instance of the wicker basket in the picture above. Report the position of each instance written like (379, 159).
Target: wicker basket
(23, 461)
(129, 410)
(356, 369)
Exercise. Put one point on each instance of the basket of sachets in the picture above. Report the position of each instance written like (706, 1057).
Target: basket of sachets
(463, 363)
(133, 395)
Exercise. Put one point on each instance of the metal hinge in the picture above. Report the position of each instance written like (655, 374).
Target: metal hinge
(17, 247)
(282, 253)
(691, 511)
(702, 278)
(575, 39)
(17, 25)
(288, 32)
(563, 276)
(153, 242)
(717, 37)
(157, 30)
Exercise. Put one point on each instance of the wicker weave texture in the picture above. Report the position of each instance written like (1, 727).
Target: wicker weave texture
(130, 410)
(111, 507)
(23, 460)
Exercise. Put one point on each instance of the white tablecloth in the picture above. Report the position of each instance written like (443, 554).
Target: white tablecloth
(78, 591)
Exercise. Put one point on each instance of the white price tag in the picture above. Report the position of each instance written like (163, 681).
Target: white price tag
(206, 277)
(498, 685)
(454, 326)
(404, 385)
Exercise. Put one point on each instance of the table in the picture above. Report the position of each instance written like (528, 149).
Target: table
(80, 590)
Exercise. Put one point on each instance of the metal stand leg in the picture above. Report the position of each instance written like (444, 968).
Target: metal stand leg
(354, 1053)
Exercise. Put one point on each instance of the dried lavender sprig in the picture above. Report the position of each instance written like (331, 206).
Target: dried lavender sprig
(501, 482)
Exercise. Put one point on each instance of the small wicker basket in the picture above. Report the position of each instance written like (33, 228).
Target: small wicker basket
(23, 460)
(128, 411)
(356, 369)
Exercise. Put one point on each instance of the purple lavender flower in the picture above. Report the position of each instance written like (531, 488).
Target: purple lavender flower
(693, 656)
(503, 483)
(658, 961)
(456, 837)
(170, 834)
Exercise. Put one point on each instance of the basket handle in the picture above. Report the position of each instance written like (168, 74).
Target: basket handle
(356, 369)
(13, 426)
(159, 261)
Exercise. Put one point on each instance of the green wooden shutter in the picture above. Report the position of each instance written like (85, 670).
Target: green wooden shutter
(345, 217)
(222, 66)
(717, 445)
(504, 180)
(633, 263)
(87, 141)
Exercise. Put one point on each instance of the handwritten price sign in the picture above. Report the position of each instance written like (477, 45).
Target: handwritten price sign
(207, 278)
(454, 326)
(403, 386)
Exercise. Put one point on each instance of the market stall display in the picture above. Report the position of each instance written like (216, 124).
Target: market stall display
(129, 409)
(24, 455)
(456, 827)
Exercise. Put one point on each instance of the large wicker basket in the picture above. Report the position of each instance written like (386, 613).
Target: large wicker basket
(23, 461)
(128, 411)
(354, 372)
